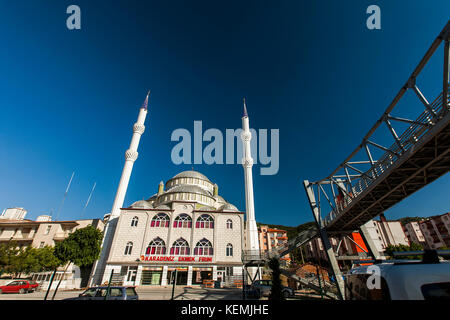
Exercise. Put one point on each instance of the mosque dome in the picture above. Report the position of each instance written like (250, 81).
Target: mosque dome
(228, 207)
(142, 204)
(191, 174)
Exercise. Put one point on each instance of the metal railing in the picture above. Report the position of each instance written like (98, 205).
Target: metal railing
(352, 188)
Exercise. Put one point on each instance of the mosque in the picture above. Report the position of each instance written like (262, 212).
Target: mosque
(185, 227)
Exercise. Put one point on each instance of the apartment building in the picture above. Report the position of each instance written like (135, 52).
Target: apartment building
(271, 239)
(436, 230)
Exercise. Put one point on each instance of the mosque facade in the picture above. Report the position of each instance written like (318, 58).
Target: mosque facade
(186, 227)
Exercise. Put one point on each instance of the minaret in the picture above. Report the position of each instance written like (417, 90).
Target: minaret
(100, 273)
(130, 157)
(252, 242)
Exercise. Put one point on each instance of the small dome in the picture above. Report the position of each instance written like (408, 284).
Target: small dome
(142, 204)
(219, 199)
(191, 174)
(228, 207)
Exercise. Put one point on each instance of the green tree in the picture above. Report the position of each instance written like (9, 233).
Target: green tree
(26, 260)
(81, 247)
(276, 291)
(8, 256)
(403, 248)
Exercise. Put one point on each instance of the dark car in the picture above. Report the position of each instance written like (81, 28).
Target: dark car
(115, 293)
(19, 286)
(263, 287)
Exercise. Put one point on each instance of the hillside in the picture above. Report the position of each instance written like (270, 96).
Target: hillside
(405, 220)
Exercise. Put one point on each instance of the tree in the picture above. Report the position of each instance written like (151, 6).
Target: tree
(81, 248)
(26, 260)
(402, 248)
(8, 256)
(276, 291)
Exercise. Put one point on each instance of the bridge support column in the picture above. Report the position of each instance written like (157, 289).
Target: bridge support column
(325, 240)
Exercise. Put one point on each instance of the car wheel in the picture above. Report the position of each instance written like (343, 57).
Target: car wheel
(286, 294)
(21, 291)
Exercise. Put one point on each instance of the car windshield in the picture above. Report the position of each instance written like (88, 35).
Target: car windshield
(89, 292)
(14, 283)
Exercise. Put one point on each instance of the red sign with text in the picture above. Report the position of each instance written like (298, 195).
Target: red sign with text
(175, 259)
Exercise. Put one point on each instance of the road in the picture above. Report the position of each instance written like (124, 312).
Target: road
(145, 293)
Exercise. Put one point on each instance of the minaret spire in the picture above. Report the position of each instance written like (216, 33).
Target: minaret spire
(145, 104)
(245, 109)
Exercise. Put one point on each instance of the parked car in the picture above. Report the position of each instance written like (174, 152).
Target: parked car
(19, 286)
(264, 287)
(428, 279)
(115, 293)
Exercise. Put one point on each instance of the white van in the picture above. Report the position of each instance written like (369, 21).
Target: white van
(400, 280)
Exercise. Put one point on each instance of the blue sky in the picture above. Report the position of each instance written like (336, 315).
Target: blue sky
(311, 69)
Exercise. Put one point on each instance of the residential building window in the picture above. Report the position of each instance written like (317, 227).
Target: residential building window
(182, 221)
(229, 250)
(42, 244)
(48, 229)
(134, 221)
(160, 220)
(157, 246)
(203, 248)
(128, 248)
(180, 248)
(229, 224)
(205, 221)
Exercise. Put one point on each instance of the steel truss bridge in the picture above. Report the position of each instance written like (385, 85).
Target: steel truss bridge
(364, 186)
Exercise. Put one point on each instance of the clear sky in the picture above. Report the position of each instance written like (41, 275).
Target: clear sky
(311, 69)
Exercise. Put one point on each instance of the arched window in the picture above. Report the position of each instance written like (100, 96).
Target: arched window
(205, 221)
(128, 248)
(229, 224)
(203, 248)
(229, 250)
(160, 220)
(134, 221)
(180, 248)
(182, 221)
(157, 246)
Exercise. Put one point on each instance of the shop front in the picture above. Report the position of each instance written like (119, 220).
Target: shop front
(151, 276)
(199, 275)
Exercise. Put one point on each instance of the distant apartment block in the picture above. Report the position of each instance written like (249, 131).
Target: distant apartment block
(436, 230)
(271, 239)
(414, 233)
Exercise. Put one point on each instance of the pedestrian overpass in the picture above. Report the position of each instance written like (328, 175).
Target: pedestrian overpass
(380, 173)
